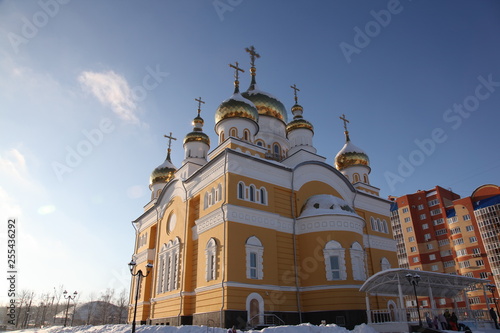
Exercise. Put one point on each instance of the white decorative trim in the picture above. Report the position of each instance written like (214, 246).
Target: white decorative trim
(211, 260)
(358, 262)
(271, 287)
(379, 243)
(260, 300)
(163, 298)
(321, 223)
(254, 246)
(209, 221)
(328, 287)
(259, 218)
(145, 255)
(334, 249)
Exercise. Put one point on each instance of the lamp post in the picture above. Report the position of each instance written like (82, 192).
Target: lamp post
(139, 275)
(492, 288)
(413, 280)
(69, 298)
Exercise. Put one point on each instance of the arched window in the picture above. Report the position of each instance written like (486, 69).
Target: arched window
(221, 136)
(233, 132)
(212, 196)
(385, 264)
(246, 135)
(334, 261)
(260, 144)
(241, 191)
(254, 258)
(263, 196)
(358, 262)
(211, 259)
(365, 177)
(383, 226)
(374, 224)
(255, 309)
(205, 201)
(251, 193)
(168, 266)
(277, 150)
(219, 192)
(355, 178)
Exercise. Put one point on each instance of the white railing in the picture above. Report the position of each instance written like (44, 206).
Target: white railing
(410, 315)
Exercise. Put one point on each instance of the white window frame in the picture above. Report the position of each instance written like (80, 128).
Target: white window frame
(358, 262)
(168, 272)
(211, 260)
(254, 245)
(334, 248)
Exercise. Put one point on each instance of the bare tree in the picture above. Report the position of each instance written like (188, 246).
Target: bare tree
(122, 303)
(91, 308)
(57, 298)
(106, 298)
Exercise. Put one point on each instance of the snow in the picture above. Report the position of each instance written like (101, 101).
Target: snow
(349, 147)
(239, 98)
(256, 91)
(326, 204)
(123, 328)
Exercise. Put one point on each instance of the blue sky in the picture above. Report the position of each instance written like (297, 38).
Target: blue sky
(418, 80)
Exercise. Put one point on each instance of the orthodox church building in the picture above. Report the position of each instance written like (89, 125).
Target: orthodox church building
(261, 228)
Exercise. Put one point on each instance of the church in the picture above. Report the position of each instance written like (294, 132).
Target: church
(258, 228)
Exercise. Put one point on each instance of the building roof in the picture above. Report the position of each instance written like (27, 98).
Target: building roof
(487, 202)
(442, 285)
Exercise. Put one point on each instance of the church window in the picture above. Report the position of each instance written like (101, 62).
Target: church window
(246, 135)
(205, 201)
(211, 257)
(355, 178)
(222, 136)
(233, 132)
(334, 256)
(241, 190)
(263, 196)
(254, 258)
(374, 224)
(252, 193)
(365, 177)
(212, 196)
(218, 193)
(358, 262)
(168, 267)
(260, 143)
(385, 264)
(277, 150)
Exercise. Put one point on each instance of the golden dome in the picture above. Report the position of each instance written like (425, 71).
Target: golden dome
(266, 104)
(236, 107)
(350, 155)
(299, 123)
(197, 136)
(163, 173)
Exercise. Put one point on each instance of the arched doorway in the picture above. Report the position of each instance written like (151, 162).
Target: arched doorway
(255, 309)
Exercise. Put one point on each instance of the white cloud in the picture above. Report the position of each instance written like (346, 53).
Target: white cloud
(111, 90)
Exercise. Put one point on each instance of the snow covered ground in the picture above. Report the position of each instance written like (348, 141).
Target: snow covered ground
(303, 328)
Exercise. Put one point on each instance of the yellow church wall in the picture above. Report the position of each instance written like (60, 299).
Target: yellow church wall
(286, 266)
(218, 234)
(166, 308)
(217, 204)
(208, 301)
(312, 262)
(313, 188)
(334, 299)
(273, 300)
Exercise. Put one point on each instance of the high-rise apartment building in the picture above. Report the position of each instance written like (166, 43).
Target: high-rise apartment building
(438, 231)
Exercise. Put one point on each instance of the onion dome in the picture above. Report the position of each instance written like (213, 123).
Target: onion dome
(236, 106)
(197, 133)
(350, 155)
(164, 172)
(298, 121)
(266, 104)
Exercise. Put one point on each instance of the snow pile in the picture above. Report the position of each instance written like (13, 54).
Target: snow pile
(303, 328)
(326, 204)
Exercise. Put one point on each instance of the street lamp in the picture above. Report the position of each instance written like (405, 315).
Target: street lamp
(492, 288)
(139, 275)
(69, 298)
(413, 280)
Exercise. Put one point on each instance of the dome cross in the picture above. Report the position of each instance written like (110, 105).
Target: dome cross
(294, 87)
(253, 55)
(199, 105)
(344, 119)
(170, 138)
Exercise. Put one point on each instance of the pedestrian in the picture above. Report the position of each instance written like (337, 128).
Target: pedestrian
(232, 330)
(453, 322)
(494, 316)
(429, 321)
(436, 322)
(442, 320)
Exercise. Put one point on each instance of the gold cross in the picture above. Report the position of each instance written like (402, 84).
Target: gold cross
(253, 55)
(236, 70)
(170, 138)
(199, 105)
(345, 121)
(294, 87)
